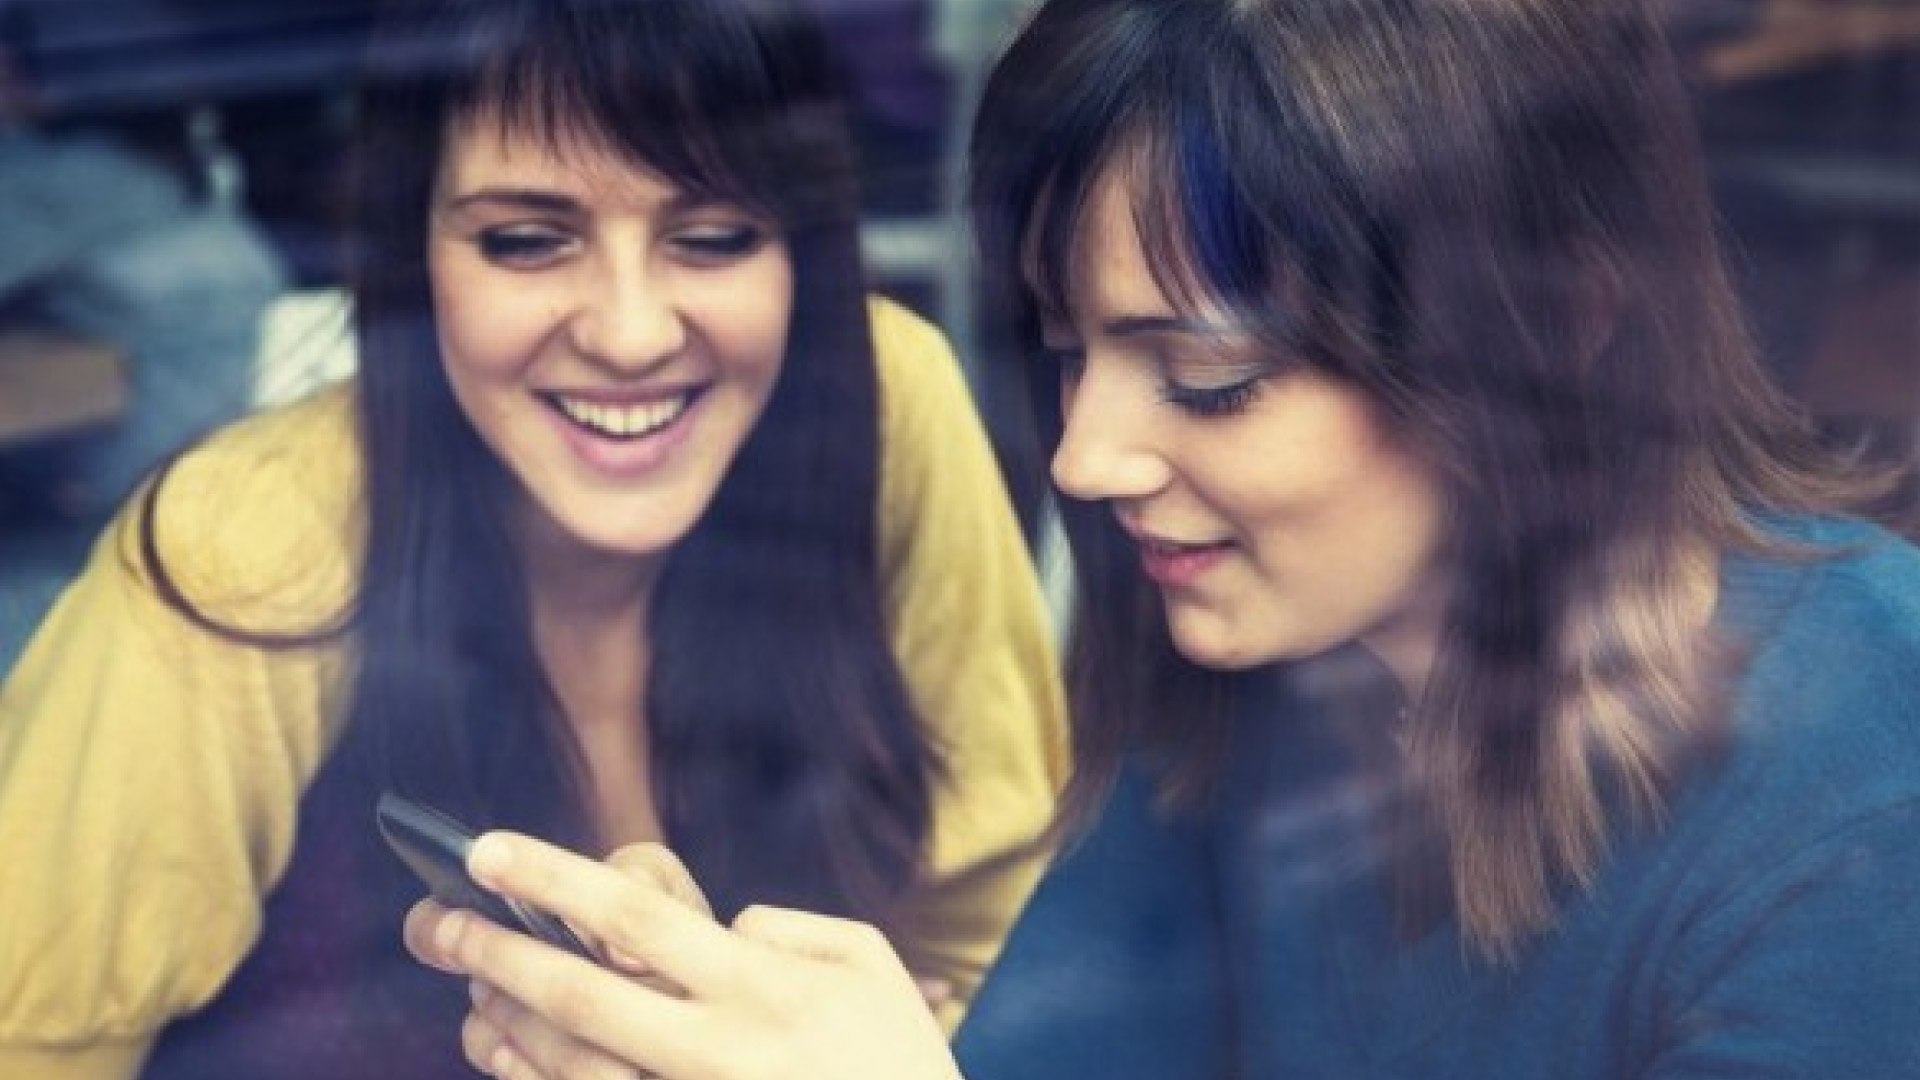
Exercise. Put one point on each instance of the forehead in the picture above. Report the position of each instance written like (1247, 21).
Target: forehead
(1118, 234)
(484, 148)
(1108, 270)
(1091, 261)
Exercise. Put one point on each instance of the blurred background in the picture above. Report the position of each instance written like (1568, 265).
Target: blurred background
(169, 168)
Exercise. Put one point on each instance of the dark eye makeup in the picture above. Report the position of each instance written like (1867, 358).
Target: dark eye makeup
(723, 242)
(517, 245)
(1212, 401)
(1214, 378)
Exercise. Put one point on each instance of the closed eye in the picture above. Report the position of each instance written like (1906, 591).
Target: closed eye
(721, 243)
(1212, 401)
(520, 246)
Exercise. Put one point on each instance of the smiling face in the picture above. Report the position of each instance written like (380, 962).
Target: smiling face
(1272, 510)
(611, 337)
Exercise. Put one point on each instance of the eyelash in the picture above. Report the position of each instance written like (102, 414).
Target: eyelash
(1206, 402)
(514, 247)
(725, 243)
(1211, 401)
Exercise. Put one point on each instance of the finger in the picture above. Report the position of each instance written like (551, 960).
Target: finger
(655, 865)
(631, 1021)
(820, 937)
(485, 1045)
(423, 919)
(936, 992)
(651, 928)
(543, 1048)
(653, 862)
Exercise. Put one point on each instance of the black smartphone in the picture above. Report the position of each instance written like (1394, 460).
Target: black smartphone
(434, 846)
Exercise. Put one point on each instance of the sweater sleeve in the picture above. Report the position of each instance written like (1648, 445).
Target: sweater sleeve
(1810, 970)
(150, 770)
(970, 628)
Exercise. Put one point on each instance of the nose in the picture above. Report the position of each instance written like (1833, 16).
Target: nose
(1108, 447)
(627, 315)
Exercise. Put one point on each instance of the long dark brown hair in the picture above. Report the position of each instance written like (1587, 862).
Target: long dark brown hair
(788, 762)
(1489, 217)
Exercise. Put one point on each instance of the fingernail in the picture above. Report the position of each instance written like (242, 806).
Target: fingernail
(488, 858)
(501, 1061)
(446, 936)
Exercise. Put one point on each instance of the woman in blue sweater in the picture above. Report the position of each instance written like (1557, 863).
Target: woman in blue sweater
(1475, 671)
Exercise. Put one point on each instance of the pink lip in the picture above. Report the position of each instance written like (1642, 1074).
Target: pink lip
(625, 459)
(1181, 566)
(1172, 563)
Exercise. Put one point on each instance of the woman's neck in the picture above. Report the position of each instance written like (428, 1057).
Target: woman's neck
(1408, 646)
(1408, 643)
(589, 612)
(571, 584)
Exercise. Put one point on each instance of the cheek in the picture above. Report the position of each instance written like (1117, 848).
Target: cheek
(1368, 551)
(1340, 502)
(456, 305)
(775, 312)
(1328, 451)
(486, 331)
(751, 319)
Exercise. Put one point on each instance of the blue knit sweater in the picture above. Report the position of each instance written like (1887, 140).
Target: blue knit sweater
(1770, 927)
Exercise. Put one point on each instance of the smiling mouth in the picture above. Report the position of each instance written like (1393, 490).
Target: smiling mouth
(1168, 549)
(624, 423)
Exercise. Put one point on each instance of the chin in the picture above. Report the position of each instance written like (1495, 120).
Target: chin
(648, 536)
(1216, 652)
(1206, 637)
(644, 543)
(624, 548)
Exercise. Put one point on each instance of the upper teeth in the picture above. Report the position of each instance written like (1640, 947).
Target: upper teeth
(625, 421)
(1175, 547)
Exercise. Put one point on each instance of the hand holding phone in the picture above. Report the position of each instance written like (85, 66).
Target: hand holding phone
(434, 846)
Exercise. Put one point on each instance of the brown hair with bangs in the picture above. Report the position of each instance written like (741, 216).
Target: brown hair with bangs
(806, 784)
(1489, 217)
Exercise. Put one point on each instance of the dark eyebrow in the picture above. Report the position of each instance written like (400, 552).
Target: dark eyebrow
(553, 202)
(518, 198)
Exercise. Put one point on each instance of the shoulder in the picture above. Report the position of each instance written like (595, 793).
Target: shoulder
(966, 618)
(903, 337)
(935, 457)
(919, 375)
(1869, 579)
(1791, 861)
(260, 524)
(1826, 708)
(1841, 619)
(1109, 970)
